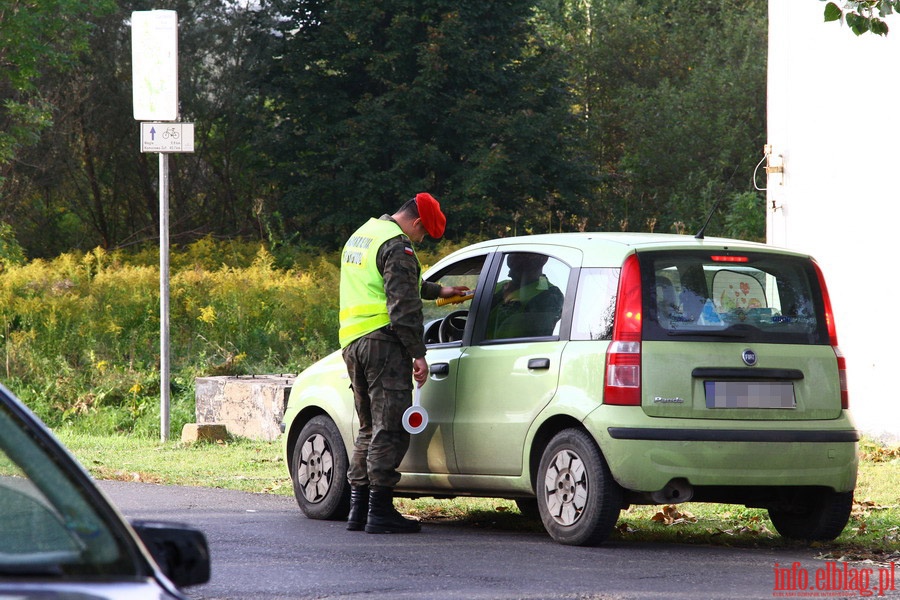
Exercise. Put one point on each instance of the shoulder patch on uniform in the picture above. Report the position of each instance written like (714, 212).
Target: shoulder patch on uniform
(408, 250)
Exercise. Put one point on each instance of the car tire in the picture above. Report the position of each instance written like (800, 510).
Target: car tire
(319, 470)
(578, 499)
(818, 517)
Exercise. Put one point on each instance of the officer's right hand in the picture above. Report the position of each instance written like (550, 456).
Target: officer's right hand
(420, 370)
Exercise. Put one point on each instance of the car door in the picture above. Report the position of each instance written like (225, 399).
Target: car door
(432, 450)
(511, 370)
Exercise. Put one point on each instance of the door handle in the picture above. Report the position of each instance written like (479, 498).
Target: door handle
(538, 363)
(439, 369)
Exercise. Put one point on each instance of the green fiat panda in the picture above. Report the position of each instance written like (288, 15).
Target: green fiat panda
(591, 371)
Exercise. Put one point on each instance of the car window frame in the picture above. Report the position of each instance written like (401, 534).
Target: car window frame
(565, 256)
(434, 276)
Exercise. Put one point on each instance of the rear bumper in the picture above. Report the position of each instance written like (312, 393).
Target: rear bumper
(732, 435)
(644, 455)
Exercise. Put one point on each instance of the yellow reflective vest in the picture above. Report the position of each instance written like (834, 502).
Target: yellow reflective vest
(363, 301)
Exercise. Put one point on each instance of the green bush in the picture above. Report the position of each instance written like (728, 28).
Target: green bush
(11, 252)
(80, 333)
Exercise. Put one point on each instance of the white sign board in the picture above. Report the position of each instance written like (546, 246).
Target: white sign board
(154, 58)
(167, 137)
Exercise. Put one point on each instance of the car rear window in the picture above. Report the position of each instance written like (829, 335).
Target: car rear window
(763, 297)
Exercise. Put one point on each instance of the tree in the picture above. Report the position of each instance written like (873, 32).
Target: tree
(696, 135)
(312, 115)
(863, 15)
(85, 183)
(373, 101)
(37, 39)
(225, 185)
(671, 96)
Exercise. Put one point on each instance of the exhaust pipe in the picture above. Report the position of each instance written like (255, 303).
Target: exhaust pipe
(676, 491)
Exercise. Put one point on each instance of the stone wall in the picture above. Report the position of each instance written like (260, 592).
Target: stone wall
(250, 406)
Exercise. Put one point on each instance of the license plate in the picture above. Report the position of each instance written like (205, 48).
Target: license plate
(750, 394)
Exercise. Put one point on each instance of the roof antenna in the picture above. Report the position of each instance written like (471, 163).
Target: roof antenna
(699, 234)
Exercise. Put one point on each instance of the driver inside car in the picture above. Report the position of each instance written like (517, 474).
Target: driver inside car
(526, 304)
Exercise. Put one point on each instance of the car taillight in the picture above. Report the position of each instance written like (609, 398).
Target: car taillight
(623, 357)
(832, 337)
(842, 375)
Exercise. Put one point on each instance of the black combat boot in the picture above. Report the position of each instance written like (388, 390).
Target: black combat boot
(359, 505)
(383, 517)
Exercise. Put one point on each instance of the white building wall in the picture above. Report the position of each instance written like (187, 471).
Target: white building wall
(833, 116)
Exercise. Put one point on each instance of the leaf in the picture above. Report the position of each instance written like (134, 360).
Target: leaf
(625, 528)
(833, 12)
(670, 515)
(857, 23)
(879, 27)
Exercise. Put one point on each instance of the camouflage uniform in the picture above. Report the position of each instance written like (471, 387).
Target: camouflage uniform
(380, 368)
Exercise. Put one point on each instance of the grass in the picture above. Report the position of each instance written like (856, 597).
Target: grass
(873, 532)
(240, 464)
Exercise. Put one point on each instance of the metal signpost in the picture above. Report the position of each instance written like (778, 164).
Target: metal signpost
(154, 57)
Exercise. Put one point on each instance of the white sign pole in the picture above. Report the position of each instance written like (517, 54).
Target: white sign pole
(164, 296)
(154, 57)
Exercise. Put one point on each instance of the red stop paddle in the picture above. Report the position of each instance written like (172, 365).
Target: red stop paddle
(415, 419)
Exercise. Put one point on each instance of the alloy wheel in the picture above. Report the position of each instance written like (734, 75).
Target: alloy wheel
(566, 487)
(315, 469)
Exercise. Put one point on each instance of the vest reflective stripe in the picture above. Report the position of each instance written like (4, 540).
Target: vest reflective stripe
(357, 321)
(363, 301)
(363, 310)
(357, 329)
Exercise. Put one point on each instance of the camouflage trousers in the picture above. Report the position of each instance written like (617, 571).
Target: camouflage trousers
(381, 378)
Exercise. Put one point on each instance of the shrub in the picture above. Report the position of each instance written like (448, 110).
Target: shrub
(11, 252)
(80, 333)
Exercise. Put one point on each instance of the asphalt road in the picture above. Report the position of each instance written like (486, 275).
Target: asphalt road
(262, 547)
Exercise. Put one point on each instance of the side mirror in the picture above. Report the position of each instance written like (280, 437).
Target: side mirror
(180, 550)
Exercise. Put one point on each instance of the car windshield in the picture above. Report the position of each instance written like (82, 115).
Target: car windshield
(757, 296)
(48, 527)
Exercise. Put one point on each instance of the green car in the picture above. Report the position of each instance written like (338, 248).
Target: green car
(592, 371)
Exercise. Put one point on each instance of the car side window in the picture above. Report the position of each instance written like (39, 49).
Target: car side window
(528, 297)
(48, 523)
(595, 304)
(466, 273)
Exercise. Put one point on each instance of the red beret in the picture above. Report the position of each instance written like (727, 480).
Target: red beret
(430, 213)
